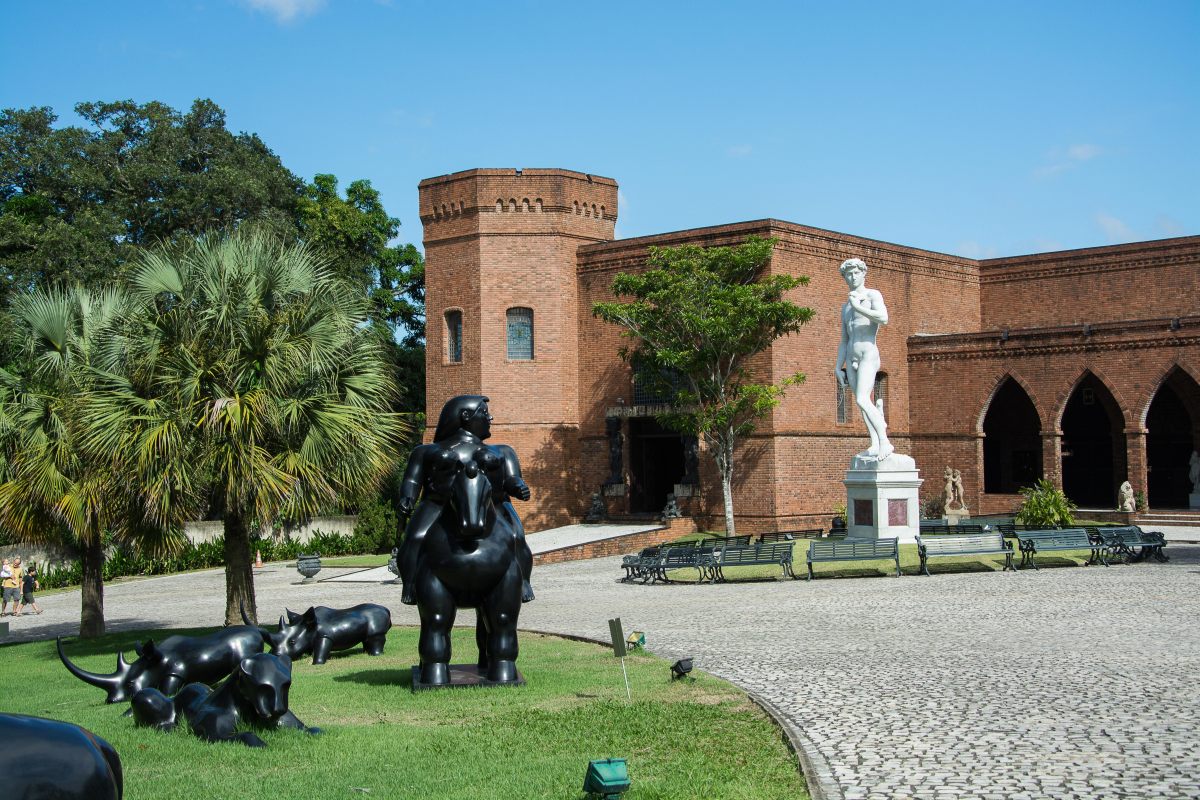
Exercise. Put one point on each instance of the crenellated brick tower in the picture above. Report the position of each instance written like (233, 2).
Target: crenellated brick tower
(502, 312)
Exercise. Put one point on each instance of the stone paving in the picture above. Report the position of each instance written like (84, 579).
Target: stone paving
(1073, 682)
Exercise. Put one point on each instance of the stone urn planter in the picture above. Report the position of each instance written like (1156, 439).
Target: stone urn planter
(308, 566)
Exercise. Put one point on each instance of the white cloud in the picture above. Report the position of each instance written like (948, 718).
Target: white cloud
(973, 249)
(1114, 229)
(1169, 226)
(1068, 158)
(739, 150)
(286, 11)
(1083, 152)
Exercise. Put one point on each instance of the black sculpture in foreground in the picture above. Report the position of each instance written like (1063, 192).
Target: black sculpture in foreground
(321, 630)
(255, 695)
(45, 758)
(173, 662)
(464, 546)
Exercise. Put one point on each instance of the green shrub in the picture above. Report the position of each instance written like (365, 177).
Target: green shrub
(376, 528)
(1046, 506)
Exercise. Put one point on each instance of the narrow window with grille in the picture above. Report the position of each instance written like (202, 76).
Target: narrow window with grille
(520, 334)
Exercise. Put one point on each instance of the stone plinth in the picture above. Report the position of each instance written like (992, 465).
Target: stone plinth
(881, 498)
(1194, 500)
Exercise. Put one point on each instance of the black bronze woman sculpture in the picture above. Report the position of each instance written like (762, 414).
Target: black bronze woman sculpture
(464, 546)
(462, 427)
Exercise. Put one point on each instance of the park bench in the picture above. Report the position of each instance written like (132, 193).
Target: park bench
(788, 536)
(980, 544)
(730, 541)
(752, 555)
(853, 550)
(1130, 542)
(635, 565)
(1046, 541)
(694, 555)
(939, 527)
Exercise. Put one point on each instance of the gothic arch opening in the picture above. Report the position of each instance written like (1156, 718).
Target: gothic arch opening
(1093, 445)
(1012, 442)
(1173, 425)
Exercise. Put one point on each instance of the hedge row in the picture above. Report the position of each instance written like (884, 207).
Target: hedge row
(374, 533)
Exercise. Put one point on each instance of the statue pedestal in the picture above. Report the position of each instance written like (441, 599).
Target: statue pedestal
(881, 499)
(1194, 500)
(461, 675)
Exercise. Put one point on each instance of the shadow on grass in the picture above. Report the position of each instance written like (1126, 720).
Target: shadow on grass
(137, 631)
(377, 677)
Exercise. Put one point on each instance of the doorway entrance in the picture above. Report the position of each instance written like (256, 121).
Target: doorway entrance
(1170, 440)
(1093, 449)
(656, 464)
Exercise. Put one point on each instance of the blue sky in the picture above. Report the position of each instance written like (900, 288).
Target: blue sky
(977, 128)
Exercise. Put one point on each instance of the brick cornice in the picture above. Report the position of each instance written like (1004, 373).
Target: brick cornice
(1027, 342)
(1092, 260)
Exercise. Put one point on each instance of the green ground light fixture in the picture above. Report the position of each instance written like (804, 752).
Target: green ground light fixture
(607, 777)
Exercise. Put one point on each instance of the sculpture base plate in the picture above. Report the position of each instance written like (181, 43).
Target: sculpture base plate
(1194, 500)
(462, 675)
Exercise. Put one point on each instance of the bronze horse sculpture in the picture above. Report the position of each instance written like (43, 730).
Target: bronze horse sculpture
(468, 559)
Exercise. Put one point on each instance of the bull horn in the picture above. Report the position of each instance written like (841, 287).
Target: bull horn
(293, 618)
(106, 682)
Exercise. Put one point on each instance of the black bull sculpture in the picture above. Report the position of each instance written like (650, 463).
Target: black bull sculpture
(174, 662)
(255, 694)
(321, 630)
(45, 758)
(468, 560)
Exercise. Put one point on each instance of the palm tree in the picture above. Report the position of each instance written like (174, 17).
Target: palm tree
(252, 381)
(50, 484)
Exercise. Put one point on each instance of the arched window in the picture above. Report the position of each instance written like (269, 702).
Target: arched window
(602, 211)
(576, 206)
(1012, 442)
(512, 204)
(461, 207)
(594, 214)
(537, 204)
(520, 334)
(499, 205)
(525, 205)
(454, 336)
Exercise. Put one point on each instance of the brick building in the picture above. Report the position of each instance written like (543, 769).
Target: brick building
(1080, 366)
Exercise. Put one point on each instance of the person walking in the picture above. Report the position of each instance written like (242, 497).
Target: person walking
(29, 584)
(11, 584)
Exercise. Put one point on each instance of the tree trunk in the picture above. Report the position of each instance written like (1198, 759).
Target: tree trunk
(727, 490)
(91, 615)
(723, 451)
(239, 574)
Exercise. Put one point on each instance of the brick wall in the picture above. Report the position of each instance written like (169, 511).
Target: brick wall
(943, 350)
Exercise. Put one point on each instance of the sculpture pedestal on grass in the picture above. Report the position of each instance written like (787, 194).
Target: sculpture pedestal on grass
(464, 547)
(881, 484)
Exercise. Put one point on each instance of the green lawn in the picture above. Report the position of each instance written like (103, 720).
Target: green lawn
(910, 564)
(681, 739)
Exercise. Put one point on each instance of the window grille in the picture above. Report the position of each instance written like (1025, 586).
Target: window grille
(454, 336)
(520, 334)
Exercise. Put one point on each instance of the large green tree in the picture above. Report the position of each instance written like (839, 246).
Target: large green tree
(253, 382)
(696, 317)
(50, 482)
(78, 203)
(359, 238)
